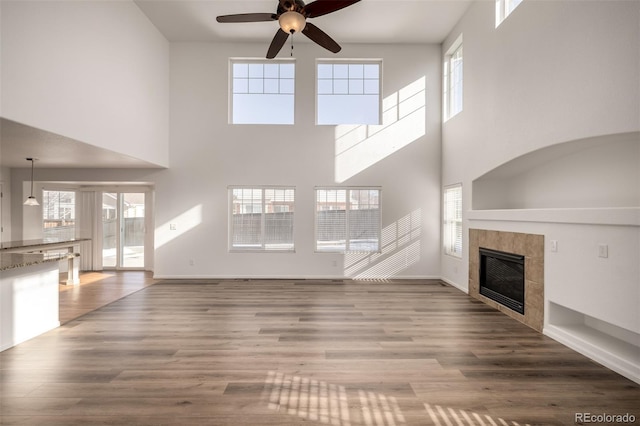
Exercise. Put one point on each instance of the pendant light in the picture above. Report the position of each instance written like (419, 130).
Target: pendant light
(31, 200)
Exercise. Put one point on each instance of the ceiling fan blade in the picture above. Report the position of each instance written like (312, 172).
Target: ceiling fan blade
(247, 17)
(320, 37)
(276, 44)
(322, 7)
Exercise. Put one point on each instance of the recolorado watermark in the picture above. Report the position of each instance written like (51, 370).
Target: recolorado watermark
(582, 418)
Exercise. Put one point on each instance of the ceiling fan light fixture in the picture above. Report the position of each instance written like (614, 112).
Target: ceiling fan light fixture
(292, 22)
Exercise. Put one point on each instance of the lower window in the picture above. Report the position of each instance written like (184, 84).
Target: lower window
(261, 218)
(452, 226)
(348, 220)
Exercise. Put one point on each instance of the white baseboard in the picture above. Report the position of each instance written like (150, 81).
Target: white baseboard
(286, 277)
(456, 285)
(612, 353)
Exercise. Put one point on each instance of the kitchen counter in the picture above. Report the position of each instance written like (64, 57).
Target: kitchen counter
(20, 260)
(44, 247)
(39, 244)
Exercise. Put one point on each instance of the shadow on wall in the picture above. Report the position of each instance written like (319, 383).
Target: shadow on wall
(400, 249)
(358, 147)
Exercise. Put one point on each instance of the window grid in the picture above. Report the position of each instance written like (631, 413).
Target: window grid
(348, 220)
(452, 227)
(349, 79)
(261, 219)
(262, 92)
(348, 92)
(259, 78)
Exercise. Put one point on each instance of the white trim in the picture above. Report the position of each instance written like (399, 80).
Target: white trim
(292, 277)
(623, 216)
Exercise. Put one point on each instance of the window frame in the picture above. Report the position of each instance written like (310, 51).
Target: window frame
(452, 223)
(347, 243)
(347, 62)
(451, 87)
(73, 211)
(263, 229)
(253, 61)
(504, 8)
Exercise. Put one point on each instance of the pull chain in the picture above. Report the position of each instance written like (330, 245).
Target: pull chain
(292, 44)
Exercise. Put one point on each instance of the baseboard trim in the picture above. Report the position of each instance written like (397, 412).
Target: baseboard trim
(289, 277)
(456, 285)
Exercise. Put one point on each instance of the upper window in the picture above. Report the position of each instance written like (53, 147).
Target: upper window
(349, 92)
(348, 220)
(453, 80)
(262, 92)
(59, 214)
(452, 235)
(504, 8)
(261, 218)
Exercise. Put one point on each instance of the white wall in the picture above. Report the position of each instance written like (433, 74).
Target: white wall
(94, 71)
(552, 72)
(207, 155)
(602, 172)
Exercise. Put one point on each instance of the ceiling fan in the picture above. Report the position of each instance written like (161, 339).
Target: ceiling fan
(292, 16)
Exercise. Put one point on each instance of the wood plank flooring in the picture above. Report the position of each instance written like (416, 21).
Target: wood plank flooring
(97, 289)
(285, 352)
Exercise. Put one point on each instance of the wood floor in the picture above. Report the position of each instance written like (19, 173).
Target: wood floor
(97, 289)
(302, 352)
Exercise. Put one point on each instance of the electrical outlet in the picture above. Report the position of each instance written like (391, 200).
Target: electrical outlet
(192, 262)
(172, 226)
(603, 250)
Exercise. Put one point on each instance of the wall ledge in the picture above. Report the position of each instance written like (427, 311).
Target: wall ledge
(620, 216)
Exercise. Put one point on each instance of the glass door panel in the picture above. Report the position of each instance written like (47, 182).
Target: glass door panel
(109, 229)
(132, 226)
(123, 230)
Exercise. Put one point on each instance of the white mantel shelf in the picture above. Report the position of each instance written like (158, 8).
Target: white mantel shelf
(621, 216)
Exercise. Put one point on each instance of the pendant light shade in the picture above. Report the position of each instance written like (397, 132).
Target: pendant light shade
(31, 200)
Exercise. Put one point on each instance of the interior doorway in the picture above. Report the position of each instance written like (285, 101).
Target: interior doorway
(123, 230)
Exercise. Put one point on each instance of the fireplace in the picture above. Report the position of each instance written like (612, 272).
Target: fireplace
(531, 246)
(502, 278)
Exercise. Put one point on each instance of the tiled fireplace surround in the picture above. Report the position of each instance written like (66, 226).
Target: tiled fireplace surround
(531, 246)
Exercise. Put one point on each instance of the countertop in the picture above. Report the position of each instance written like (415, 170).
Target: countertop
(42, 242)
(21, 260)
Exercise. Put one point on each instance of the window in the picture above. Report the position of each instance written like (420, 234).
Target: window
(261, 218)
(348, 92)
(348, 220)
(59, 214)
(262, 92)
(453, 80)
(504, 8)
(452, 214)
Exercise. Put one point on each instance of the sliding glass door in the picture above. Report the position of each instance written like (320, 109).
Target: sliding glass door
(123, 230)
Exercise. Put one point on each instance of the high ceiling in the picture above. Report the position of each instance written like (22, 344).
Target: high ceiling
(369, 21)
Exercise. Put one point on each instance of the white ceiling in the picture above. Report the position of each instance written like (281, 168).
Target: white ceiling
(369, 21)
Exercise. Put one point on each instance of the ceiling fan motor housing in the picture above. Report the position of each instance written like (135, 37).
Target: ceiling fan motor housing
(290, 6)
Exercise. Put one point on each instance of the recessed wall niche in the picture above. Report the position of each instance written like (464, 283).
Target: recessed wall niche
(531, 246)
